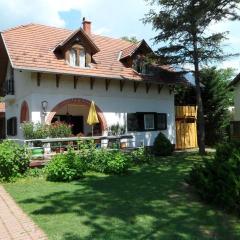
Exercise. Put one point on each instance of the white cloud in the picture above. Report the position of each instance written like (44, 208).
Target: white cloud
(16, 12)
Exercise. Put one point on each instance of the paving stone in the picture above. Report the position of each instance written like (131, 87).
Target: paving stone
(14, 223)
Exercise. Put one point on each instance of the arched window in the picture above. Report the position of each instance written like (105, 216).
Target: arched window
(24, 115)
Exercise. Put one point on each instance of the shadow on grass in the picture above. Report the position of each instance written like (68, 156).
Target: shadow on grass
(150, 203)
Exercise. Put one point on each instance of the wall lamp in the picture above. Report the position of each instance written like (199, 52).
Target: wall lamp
(44, 107)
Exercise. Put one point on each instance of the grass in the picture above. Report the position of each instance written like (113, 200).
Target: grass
(150, 202)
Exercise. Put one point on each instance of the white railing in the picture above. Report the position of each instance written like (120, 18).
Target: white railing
(46, 143)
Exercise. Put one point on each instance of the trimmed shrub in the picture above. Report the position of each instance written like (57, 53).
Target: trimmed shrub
(218, 181)
(162, 146)
(65, 167)
(14, 160)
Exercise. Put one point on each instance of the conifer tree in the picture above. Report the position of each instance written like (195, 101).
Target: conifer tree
(183, 26)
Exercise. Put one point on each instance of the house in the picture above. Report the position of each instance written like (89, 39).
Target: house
(49, 74)
(235, 123)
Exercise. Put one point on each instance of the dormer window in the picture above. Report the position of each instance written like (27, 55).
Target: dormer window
(140, 65)
(82, 58)
(77, 57)
(73, 57)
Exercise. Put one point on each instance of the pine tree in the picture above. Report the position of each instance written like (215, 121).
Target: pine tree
(217, 98)
(183, 25)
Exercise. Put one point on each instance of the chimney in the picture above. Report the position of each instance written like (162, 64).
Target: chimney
(86, 26)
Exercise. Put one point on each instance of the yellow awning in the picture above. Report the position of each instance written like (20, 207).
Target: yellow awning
(92, 115)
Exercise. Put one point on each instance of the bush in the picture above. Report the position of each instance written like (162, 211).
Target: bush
(60, 130)
(141, 155)
(162, 146)
(35, 130)
(218, 181)
(65, 167)
(14, 160)
(105, 161)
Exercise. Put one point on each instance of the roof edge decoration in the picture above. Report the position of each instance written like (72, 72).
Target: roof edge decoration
(62, 44)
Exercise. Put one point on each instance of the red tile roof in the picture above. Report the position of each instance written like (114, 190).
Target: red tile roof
(128, 51)
(2, 107)
(31, 47)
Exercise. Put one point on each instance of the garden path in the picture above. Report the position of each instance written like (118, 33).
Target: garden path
(14, 223)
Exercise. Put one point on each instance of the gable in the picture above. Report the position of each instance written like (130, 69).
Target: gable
(78, 37)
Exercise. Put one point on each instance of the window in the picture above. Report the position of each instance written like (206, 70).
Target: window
(82, 58)
(146, 121)
(73, 57)
(12, 126)
(140, 65)
(77, 57)
(149, 122)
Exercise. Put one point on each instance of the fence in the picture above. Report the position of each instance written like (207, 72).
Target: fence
(186, 127)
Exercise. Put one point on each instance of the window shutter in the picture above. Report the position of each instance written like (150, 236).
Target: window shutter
(161, 121)
(12, 126)
(140, 117)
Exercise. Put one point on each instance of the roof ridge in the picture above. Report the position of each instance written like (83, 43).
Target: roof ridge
(112, 38)
(19, 26)
(36, 24)
(61, 28)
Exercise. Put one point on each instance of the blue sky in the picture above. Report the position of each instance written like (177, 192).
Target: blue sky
(110, 18)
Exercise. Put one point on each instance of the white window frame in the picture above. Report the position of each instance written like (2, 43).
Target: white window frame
(73, 57)
(82, 58)
(146, 118)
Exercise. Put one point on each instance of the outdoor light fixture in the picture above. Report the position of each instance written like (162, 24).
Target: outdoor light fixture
(44, 107)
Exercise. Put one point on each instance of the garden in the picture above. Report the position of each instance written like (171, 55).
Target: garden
(94, 193)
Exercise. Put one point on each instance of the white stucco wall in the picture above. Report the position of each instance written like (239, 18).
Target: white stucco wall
(114, 103)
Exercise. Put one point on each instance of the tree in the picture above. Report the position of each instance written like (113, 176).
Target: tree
(217, 98)
(183, 25)
(130, 39)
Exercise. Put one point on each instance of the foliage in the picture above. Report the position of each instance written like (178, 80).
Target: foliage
(184, 27)
(105, 161)
(162, 146)
(218, 181)
(130, 39)
(185, 95)
(35, 172)
(116, 129)
(141, 155)
(14, 160)
(125, 207)
(217, 97)
(60, 130)
(35, 130)
(65, 167)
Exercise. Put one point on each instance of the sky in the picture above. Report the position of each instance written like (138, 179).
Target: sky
(108, 17)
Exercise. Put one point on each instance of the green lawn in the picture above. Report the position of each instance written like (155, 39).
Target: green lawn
(150, 202)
